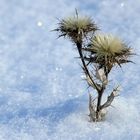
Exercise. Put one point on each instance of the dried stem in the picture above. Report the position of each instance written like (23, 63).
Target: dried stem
(110, 98)
(79, 47)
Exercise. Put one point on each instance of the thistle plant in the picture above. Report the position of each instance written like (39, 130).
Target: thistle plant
(99, 53)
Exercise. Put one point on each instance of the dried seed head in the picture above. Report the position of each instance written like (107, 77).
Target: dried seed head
(108, 45)
(107, 50)
(76, 28)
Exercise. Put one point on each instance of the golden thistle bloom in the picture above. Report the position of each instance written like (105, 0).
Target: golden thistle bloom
(76, 27)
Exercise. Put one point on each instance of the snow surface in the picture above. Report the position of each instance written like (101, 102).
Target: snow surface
(42, 96)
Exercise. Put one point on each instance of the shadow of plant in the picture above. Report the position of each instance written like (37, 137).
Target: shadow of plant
(60, 111)
(53, 114)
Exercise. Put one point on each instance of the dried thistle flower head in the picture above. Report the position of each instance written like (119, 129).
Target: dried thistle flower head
(108, 50)
(76, 27)
(108, 45)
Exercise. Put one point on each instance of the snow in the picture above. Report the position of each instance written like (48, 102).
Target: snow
(122, 4)
(42, 94)
(39, 23)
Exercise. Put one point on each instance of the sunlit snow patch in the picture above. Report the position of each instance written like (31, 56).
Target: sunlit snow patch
(39, 23)
(122, 4)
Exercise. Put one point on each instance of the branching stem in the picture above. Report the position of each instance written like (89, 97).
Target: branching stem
(79, 47)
